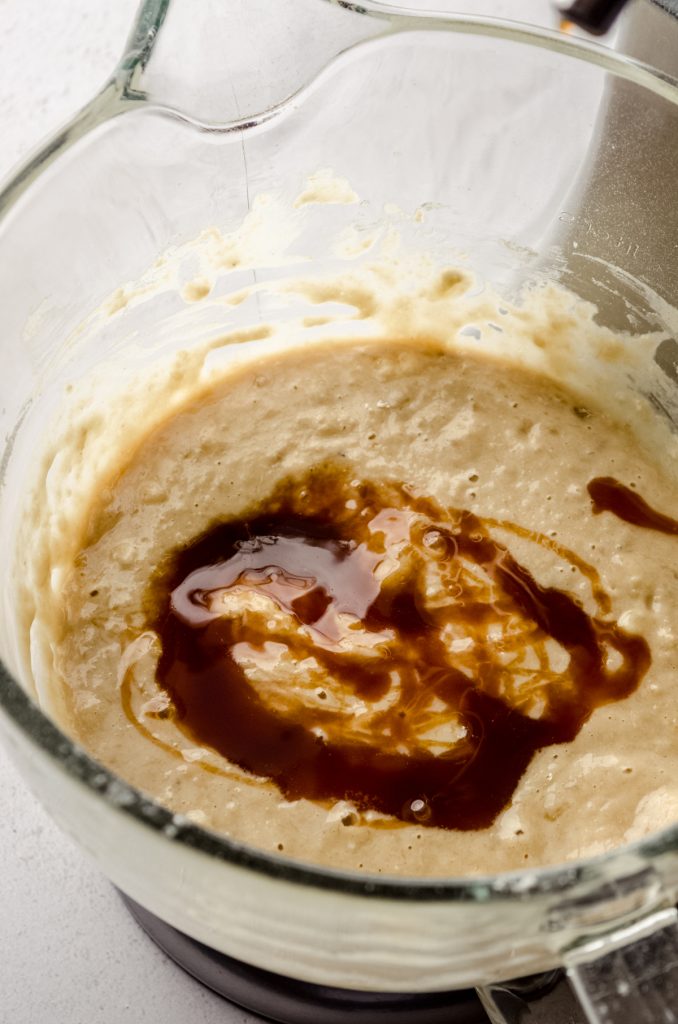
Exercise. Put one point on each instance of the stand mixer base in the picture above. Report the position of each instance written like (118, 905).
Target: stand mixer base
(297, 1002)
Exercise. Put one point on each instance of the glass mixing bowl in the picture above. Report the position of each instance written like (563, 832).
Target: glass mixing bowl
(537, 155)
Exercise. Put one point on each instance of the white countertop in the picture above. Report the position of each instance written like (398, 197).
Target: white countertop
(70, 952)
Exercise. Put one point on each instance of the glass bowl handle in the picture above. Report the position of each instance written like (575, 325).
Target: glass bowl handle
(628, 976)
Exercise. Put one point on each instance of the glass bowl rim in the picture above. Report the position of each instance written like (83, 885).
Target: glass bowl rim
(27, 717)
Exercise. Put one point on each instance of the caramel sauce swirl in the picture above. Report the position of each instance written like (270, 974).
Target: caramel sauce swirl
(608, 495)
(353, 640)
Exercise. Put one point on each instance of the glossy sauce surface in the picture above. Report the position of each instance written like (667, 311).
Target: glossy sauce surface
(354, 641)
(609, 495)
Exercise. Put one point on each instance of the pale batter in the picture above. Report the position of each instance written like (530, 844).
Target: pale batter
(470, 432)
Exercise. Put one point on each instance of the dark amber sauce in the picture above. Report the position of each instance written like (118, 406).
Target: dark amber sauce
(608, 495)
(457, 626)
